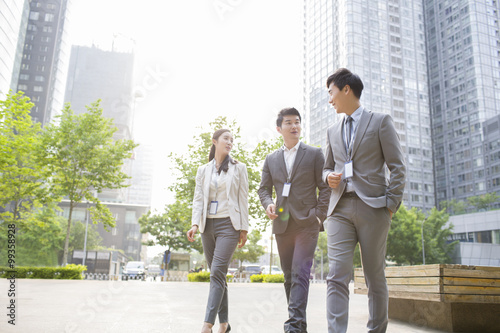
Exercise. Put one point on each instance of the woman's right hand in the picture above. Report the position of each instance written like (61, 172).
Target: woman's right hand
(191, 232)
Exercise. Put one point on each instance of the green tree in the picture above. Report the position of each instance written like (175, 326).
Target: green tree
(483, 202)
(404, 244)
(454, 207)
(252, 251)
(84, 159)
(176, 219)
(437, 231)
(168, 228)
(23, 174)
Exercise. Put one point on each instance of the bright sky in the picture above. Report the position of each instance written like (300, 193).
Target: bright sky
(199, 59)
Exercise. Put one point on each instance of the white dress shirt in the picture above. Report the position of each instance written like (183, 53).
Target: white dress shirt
(290, 155)
(218, 193)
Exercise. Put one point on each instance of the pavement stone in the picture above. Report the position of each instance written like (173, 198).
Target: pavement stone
(69, 306)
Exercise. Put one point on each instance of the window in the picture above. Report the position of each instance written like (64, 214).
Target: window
(39, 78)
(24, 77)
(34, 16)
(49, 17)
(47, 28)
(22, 87)
(38, 88)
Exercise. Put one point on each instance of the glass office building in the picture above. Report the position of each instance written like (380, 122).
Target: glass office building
(464, 65)
(43, 68)
(384, 43)
(12, 13)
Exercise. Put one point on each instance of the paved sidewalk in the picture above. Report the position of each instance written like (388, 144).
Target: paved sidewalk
(55, 306)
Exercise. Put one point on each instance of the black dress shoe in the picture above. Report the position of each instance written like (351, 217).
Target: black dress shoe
(228, 328)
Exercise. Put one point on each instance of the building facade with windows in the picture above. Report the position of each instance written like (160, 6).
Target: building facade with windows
(479, 238)
(384, 43)
(96, 74)
(463, 43)
(43, 68)
(13, 20)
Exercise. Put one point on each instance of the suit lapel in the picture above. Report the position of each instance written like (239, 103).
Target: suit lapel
(229, 177)
(208, 178)
(337, 135)
(301, 151)
(281, 162)
(364, 121)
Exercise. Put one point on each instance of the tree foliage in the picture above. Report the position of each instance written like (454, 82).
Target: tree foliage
(84, 159)
(252, 251)
(23, 173)
(473, 204)
(175, 221)
(404, 244)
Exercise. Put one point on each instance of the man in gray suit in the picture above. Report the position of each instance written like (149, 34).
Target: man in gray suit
(364, 166)
(295, 172)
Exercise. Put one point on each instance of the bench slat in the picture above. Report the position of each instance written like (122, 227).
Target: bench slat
(459, 281)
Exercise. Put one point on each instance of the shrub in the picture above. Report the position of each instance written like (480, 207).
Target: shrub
(205, 277)
(268, 278)
(274, 278)
(70, 272)
(257, 278)
(199, 277)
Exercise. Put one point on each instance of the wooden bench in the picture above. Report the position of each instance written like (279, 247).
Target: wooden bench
(452, 298)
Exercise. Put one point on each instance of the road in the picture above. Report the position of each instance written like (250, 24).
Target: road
(55, 306)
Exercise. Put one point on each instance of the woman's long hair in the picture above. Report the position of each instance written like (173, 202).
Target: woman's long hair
(225, 164)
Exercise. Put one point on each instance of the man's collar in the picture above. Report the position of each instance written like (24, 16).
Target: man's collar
(296, 147)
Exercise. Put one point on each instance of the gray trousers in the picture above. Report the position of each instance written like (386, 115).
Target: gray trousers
(296, 249)
(351, 222)
(219, 242)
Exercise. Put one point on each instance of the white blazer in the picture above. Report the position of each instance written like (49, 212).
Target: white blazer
(237, 194)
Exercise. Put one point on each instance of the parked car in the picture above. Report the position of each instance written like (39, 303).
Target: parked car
(134, 270)
(246, 271)
(274, 270)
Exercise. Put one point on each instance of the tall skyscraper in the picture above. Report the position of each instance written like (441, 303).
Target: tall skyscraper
(43, 68)
(107, 75)
(383, 42)
(13, 19)
(463, 43)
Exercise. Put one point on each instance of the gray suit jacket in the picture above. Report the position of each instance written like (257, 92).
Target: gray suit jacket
(302, 204)
(376, 147)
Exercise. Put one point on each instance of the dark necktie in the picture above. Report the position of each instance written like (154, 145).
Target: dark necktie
(349, 130)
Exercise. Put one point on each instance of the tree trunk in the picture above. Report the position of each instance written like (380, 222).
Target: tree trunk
(66, 242)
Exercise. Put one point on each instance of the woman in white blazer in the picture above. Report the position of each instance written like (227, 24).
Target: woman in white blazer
(220, 213)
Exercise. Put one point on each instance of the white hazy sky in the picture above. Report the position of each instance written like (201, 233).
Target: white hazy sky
(196, 60)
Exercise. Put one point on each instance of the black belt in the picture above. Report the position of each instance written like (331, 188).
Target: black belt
(350, 195)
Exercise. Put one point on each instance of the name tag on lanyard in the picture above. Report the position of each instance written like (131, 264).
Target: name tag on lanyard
(286, 190)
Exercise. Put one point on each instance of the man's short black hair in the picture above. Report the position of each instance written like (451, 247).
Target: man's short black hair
(287, 112)
(344, 77)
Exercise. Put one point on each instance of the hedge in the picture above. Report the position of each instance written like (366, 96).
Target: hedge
(69, 272)
(205, 277)
(267, 278)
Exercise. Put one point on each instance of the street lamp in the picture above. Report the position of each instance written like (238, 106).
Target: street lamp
(423, 247)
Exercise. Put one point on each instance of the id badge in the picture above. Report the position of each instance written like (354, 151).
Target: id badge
(348, 170)
(286, 190)
(213, 207)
